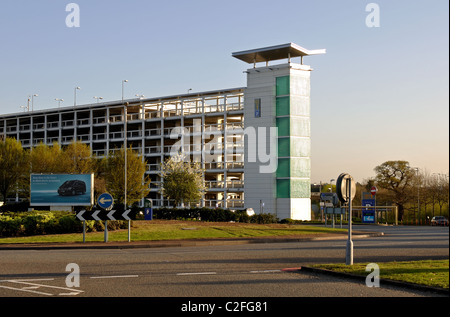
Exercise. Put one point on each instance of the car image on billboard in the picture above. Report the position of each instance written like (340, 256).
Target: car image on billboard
(72, 188)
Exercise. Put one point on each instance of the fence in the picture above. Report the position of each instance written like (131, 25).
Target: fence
(382, 214)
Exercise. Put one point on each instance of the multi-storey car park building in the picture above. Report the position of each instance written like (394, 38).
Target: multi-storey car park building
(247, 164)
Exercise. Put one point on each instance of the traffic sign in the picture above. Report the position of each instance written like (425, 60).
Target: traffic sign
(105, 201)
(342, 188)
(373, 190)
(100, 215)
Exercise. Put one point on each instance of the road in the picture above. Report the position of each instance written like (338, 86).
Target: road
(250, 270)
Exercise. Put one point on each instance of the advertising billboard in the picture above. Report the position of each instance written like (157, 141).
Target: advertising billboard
(61, 189)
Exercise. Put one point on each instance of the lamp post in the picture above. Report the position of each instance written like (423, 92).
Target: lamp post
(418, 193)
(125, 155)
(75, 96)
(59, 101)
(32, 101)
(98, 98)
(123, 82)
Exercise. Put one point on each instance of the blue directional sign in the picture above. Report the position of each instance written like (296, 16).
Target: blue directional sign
(368, 213)
(105, 201)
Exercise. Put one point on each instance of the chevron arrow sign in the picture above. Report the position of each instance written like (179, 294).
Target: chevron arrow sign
(101, 215)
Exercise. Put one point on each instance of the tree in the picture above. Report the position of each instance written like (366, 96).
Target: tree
(397, 177)
(46, 159)
(138, 185)
(13, 166)
(183, 181)
(78, 158)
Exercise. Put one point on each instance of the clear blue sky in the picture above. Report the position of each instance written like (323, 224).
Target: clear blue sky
(378, 94)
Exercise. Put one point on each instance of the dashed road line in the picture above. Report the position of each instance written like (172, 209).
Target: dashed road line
(114, 276)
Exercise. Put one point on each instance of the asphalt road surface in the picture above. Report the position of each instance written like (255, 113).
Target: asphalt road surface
(250, 270)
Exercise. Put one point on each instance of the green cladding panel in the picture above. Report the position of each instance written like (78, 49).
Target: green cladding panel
(283, 106)
(284, 126)
(283, 188)
(283, 85)
(293, 188)
(284, 147)
(294, 144)
(284, 167)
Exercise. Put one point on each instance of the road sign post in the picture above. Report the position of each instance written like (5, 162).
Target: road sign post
(374, 191)
(346, 189)
(106, 202)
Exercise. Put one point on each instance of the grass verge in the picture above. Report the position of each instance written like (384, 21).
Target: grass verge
(434, 273)
(158, 230)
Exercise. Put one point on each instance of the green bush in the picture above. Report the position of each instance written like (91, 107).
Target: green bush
(10, 227)
(209, 214)
(15, 224)
(263, 218)
(69, 223)
(35, 224)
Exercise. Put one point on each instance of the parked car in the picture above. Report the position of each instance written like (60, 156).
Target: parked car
(72, 188)
(439, 221)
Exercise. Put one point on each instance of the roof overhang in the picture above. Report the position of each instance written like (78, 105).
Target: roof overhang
(273, 53)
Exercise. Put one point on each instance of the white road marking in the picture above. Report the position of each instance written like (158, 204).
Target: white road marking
(198, 273)
(25, 290)
(114, 276)
(31, 287)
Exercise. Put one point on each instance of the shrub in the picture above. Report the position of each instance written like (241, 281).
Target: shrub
(10, 227)
(14, 224)
(264, 218)
(38, 223)
(69, 223)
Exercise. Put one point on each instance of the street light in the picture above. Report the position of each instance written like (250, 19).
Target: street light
(123, 82)
(418, 192)
(59, 101)
(98, 98)
(32, 102)
(125, 154)
(75, 96)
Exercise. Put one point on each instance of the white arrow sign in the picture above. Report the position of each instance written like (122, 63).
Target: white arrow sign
(104, 200)
(110, 215)
(125, 215)
(94, 215)
(80, 215)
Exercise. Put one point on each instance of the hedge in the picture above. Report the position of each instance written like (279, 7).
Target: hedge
(207, 214)
(55, 222)
(15, 224)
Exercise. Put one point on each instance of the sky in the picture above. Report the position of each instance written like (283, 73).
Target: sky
(379, 93)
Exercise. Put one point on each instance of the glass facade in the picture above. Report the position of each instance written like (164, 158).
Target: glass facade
(294, 149)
